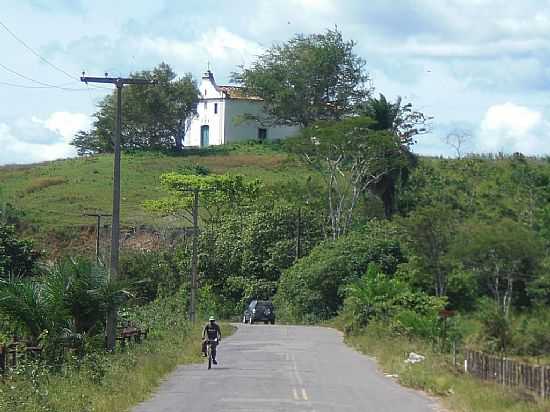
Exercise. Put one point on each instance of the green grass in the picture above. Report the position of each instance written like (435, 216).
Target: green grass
(54, 195)
(130, 377)
(459, 392)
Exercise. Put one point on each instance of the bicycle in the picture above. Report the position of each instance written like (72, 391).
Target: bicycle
(209, 344)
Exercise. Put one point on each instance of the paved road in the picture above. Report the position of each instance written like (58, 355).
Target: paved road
(264, 368)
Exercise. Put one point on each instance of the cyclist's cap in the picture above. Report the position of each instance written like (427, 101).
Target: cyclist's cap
(212, 318)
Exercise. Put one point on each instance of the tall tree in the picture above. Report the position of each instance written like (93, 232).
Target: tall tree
(406, 123)
(351, 157)
(308, 78)
(154, 115)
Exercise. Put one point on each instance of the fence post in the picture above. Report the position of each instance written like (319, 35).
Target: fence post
(542, 383)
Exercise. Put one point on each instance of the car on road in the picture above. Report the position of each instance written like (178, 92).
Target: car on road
(259, 311)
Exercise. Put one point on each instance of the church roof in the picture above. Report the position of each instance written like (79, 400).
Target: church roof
(236, 92)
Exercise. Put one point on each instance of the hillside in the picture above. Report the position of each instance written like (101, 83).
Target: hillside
(54, 195)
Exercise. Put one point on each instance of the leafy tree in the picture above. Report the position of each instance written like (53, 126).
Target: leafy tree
(245, 254)
(505, 255)
(17, 257)
(314, 287)
(396, 117)
(351, 158)
(430, 231)
(406, 123)
(217, 193)
(153, 115)
(308, 78)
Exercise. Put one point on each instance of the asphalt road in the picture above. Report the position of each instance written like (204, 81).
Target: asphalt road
(264, 368)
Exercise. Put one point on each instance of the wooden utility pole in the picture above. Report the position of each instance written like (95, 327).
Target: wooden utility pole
(98, 226)
(299, 234)
(119, 82)
(195, 252)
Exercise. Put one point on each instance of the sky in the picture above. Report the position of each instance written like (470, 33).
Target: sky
(480, 68)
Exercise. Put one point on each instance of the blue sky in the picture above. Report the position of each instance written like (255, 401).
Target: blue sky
(478, 66)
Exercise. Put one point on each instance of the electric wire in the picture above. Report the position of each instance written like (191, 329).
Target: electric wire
(42, 84)
(29, 48)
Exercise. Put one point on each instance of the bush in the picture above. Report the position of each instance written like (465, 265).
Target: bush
(378, 297)
(314, 287)
(532, 335)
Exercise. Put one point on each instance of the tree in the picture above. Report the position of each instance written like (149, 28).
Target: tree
(308, 78)
(314, 287)
(217, 193)
(154, 115)
(17, 257)
(406, 123)
(430, 230)
(351, 157)
(458, 139)
(505, 255)
(396, 117)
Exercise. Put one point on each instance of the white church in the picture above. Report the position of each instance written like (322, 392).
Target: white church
(219, 119)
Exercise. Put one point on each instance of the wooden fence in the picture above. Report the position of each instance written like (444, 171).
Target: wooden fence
(534, 379)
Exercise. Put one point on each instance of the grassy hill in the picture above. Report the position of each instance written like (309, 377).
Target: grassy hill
(54, 195)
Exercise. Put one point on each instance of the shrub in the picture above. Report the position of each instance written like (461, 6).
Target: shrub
(314, 287)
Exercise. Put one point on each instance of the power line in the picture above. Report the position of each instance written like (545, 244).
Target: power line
(43, 84)
(29, 48)
(24, 86)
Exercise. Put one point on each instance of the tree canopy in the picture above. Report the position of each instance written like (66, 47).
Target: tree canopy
(308, 78)
(153, 115)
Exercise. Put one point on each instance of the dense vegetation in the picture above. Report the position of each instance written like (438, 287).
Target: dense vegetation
(340, 223)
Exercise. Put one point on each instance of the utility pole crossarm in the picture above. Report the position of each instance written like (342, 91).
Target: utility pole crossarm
(116, 80)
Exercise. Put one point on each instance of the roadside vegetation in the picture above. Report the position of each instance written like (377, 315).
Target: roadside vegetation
(342, 223)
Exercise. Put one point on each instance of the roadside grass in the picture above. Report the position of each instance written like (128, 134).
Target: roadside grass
(108, 383)
(436, 375)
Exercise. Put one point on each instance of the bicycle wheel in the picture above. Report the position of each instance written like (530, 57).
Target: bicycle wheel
(209, 356)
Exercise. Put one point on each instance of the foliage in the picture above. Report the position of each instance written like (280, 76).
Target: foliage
(70, 300)
(216, 194)
(155, 273)
(244, 253)
(104, 382)
(505, 255)
(430, 230)
(378, 296)
(308, 78)
(17, 257)
(153, 115)
(351, 157)
(397, 118)
(314, 287)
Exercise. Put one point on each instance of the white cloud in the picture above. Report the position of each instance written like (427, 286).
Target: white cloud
(215, 44)
(31, 140)
(512, 128)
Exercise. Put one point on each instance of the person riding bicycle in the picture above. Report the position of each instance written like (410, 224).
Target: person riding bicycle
(212, 333)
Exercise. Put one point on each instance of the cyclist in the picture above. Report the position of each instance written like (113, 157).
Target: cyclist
(213, 333)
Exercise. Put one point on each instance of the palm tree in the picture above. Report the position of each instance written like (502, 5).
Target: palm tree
(70, 300)
(406, 123)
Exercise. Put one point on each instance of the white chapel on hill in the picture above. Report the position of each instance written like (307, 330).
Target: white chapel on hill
(219, 119)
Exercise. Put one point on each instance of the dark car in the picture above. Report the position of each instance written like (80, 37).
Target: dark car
(258, 311)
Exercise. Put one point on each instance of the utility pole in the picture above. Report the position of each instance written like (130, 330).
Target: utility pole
(299, 234)
(119, 82)
(194, 257)
(98, 226)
